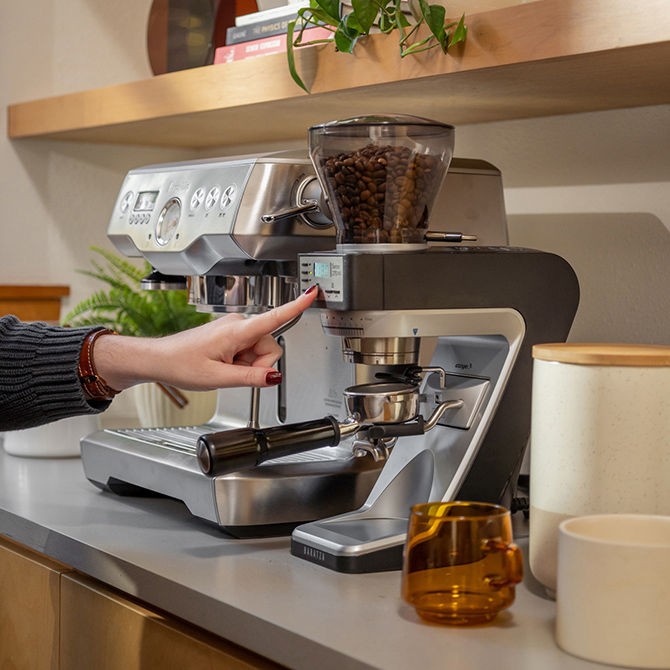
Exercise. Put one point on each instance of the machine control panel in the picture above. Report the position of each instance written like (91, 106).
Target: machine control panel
(168, 207)
(327, 272)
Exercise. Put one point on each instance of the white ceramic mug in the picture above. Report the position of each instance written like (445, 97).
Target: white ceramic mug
(600, 438)
(613, 589)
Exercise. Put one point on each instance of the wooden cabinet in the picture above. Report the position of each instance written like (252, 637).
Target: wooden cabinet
(29, 609)
(52, 618)
(103, 629)
(535, 59)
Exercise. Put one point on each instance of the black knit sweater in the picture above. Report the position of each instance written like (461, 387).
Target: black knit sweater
(38, 374)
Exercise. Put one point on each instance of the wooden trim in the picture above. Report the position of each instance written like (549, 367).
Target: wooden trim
(595, 353)
(32, 303)
(536, 59)
(21, 292)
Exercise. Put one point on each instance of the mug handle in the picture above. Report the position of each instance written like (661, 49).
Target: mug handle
(512, 561)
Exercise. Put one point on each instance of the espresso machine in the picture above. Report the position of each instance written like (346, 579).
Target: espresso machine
(229, 231)
(435, 327)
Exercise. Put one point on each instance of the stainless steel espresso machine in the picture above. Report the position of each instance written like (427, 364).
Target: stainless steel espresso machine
(433, 399)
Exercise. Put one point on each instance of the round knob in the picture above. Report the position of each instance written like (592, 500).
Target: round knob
(168, 220)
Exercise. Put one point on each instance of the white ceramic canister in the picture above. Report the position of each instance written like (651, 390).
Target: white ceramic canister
(600, 438)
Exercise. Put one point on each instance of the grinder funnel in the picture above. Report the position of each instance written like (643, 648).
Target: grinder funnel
(381, 174)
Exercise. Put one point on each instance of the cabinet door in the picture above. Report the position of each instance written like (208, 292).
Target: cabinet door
(104, 630)
(29, 607)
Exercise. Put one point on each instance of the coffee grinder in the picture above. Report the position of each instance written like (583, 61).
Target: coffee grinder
(438, 337)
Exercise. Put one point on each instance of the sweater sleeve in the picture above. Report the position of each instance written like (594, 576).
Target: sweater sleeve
(39, 379)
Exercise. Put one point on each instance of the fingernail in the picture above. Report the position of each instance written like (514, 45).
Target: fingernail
(273, 377)
(311, 289)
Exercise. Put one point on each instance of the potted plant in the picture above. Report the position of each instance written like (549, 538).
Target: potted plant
(353, 19)
(128, 310)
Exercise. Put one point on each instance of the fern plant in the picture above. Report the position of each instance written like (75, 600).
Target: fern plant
(125, 308)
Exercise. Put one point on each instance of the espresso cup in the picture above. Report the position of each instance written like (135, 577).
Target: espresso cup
(613, 589)
(459, 563)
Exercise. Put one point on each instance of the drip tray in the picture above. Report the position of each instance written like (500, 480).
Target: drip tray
(278, 494)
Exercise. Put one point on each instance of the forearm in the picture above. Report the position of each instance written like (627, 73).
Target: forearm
(39, 379)
(125, 361)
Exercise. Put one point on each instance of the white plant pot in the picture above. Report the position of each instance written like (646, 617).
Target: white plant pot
(59, 439)
(155, 409)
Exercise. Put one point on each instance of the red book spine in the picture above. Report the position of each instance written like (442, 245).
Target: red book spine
(265, 46)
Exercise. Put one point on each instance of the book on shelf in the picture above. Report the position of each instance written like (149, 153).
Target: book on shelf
(275, 22)
(265, 46)
(256, 31)
(269, 14)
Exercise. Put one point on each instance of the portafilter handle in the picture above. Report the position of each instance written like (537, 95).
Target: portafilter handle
(243, 448)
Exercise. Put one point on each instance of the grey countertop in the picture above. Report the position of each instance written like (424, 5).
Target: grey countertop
(253, 592)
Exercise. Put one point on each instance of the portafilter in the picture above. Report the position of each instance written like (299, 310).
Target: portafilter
(379, 410)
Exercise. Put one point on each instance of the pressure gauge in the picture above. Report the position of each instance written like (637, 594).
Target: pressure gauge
(168, 220)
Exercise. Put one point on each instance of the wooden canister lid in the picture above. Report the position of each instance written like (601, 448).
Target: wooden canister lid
(599, 353)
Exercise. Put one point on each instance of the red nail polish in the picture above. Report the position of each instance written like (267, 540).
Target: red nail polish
(273, 377)
(311, 289)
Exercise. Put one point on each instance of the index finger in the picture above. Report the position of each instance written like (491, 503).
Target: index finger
(267, 323)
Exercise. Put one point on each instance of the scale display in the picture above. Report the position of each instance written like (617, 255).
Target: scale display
(321, 270)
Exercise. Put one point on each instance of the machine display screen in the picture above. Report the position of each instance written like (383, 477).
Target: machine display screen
(322, 269)
(145, 201)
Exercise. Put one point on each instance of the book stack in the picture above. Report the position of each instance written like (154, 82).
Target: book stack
(263, 33)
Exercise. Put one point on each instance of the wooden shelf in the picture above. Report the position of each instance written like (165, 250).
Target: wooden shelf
(537, 59)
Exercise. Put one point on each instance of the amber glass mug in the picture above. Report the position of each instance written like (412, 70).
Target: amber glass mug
(459, 564)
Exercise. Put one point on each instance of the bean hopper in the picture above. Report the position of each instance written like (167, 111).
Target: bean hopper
(434, 326)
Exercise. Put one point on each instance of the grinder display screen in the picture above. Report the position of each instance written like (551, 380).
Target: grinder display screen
(322, 269)
(145, 201)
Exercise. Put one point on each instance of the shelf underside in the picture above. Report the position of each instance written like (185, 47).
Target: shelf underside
(611, 60)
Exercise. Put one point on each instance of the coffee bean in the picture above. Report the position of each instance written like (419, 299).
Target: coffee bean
(381, 193)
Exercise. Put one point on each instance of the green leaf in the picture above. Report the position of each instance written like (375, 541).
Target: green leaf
(401, 20)
(434, 15)
(351, 24)
(350, 27)
(316, 17)
(126, 268)
(331, 8)
(460, 33)
(291, 58)
(344, 43)
(366, 12)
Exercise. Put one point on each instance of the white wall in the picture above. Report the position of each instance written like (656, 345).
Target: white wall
(56, 197)
(593, 187)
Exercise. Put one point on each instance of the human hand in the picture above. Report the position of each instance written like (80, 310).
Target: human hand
(229, 351)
